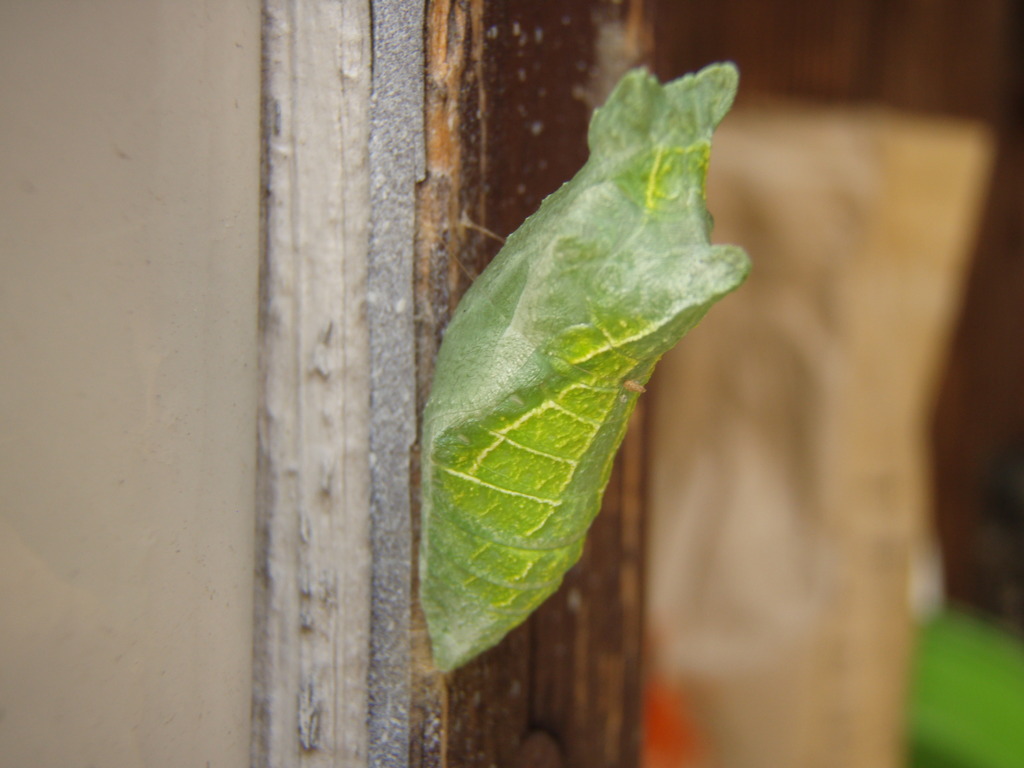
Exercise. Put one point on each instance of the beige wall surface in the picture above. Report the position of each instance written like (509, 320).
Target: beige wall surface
(129, 187)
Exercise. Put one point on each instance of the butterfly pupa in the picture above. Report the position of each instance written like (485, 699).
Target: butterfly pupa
(549, 349)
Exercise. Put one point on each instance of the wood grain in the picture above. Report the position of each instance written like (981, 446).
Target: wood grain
(510, 88)
(312, 603)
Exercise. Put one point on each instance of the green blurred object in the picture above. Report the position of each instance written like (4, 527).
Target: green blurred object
(967, 700)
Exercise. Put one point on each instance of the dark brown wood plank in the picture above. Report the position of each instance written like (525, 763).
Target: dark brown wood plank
(593, 627)
(980, 413)
(948, 56)
(781, 47)
(510, 88)
(943, 56)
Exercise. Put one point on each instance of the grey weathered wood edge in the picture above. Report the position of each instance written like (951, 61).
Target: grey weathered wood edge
(343, 151)
(311, 635)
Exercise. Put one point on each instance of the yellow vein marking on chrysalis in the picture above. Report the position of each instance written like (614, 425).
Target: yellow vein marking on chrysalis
(612, 346)
(544, 454)
(521, 576)
(513, 580)
(493, 608)
(483, 454)
(456, 522)
(615, 345)
(592, 387)
(651, 191)
(651, 329)
(500, 582)
(547, 405)
(498, 488)
(502, 437)
(609, 347)
(509, 427)
(582, 419)
(541, 524)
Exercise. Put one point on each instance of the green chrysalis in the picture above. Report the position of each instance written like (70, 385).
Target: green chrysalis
(546, 354)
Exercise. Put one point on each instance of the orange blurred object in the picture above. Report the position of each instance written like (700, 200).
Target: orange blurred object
(671, 736)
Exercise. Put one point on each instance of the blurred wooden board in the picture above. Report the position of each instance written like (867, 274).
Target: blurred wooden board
(980, 414)
(789, 458)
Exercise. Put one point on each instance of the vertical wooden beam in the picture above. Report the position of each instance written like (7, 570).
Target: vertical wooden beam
(979, 418)
(510, 88)
(980, 414)
(313, 578)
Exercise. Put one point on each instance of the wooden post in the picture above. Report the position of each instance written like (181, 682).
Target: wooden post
(510, 88)
(313, 537)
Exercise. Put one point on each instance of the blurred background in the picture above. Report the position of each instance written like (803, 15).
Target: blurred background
(835, 458)
(836, 570)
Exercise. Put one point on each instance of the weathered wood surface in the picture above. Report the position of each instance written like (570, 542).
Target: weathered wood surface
(510, 87)
(312, 605)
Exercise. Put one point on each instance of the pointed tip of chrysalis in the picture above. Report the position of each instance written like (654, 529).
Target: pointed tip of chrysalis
(640, 110)
(733, 266)
(714, 86)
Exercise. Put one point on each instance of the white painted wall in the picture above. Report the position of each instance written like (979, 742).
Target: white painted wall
(129, 192)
